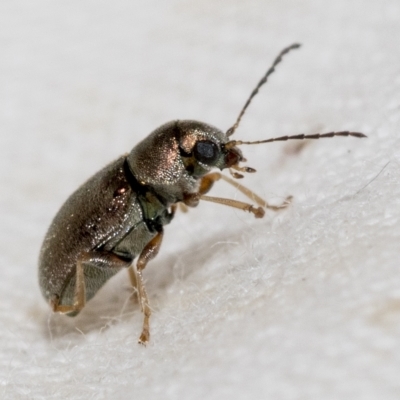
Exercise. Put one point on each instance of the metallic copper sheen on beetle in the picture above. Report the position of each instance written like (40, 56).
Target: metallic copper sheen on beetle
(118, 215)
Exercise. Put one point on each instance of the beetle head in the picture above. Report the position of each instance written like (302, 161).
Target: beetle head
(176, 155)
(202, 147)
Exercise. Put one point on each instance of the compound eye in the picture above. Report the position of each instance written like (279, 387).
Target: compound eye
(206, 151)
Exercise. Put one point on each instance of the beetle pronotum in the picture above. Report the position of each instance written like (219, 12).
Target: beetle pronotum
(119, 213)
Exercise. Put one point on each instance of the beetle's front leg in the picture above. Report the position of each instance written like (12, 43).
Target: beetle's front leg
(192, 199)
(99, 259)
(147, 254)
(208, 181)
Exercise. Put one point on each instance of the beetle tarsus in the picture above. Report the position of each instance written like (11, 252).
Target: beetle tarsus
(258, 212)
(145, 335)
(286, 203)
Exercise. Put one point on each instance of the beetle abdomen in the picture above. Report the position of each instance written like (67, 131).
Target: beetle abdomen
(99, 213)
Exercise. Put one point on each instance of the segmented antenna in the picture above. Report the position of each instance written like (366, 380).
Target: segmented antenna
(278, 59)
(300, 136)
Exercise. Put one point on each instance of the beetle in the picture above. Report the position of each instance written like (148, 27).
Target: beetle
(118, 215)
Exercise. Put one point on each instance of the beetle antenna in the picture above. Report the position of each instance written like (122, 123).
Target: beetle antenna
(264, 79)
(300, 136)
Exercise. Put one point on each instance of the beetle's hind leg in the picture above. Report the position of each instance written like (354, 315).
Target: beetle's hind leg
(147, 254)
(79, 296)
(98, 259)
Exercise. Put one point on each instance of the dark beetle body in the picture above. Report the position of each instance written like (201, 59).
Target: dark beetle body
(122, 207)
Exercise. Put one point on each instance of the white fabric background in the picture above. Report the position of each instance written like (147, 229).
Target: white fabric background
(300, 305)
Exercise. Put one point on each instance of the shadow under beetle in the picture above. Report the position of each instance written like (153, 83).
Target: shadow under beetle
(119, 213)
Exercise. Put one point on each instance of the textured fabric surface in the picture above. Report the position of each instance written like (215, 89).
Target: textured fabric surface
(303, 304)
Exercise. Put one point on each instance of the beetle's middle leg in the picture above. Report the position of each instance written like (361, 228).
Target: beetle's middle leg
(133, 281)
(147, 254)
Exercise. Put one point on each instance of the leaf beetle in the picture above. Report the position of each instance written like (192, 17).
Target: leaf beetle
(118, 215)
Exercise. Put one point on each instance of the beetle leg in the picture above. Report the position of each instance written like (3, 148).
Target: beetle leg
(107, 259)
(147, 254)
(173, 209)
(79, 297)
(133, 281)
(183, 207)
(251, 195)
(258, 212)
(208, 181)
(192, 199)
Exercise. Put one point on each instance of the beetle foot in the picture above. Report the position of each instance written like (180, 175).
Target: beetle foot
(144, 337)
(258, 212)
